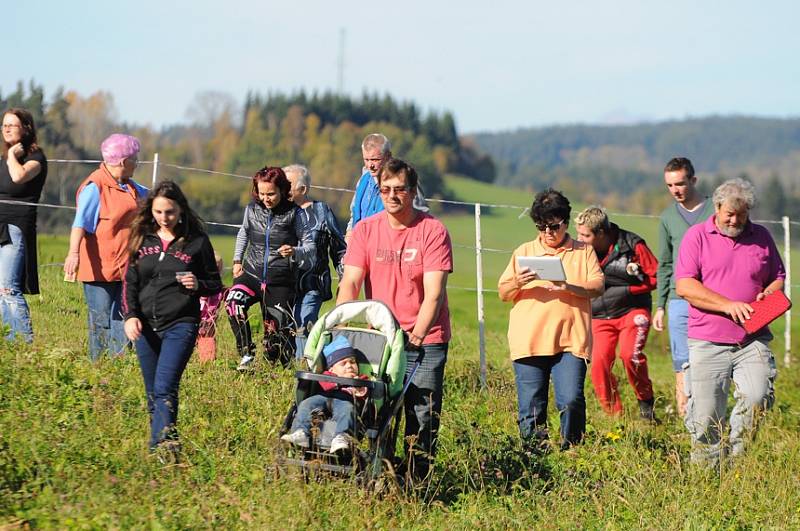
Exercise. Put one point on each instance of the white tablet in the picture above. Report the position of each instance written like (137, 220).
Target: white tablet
(546, 267)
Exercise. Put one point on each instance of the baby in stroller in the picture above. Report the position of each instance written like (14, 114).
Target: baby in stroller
(340, 360)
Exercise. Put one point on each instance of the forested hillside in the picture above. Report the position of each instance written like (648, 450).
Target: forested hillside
(616, 166)
(322, 131)
(623, 164)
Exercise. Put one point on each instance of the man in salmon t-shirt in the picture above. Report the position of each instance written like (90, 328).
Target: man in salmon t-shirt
(402, 256)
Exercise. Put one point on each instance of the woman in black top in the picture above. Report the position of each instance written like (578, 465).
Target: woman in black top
(23, 170)
(171, 266)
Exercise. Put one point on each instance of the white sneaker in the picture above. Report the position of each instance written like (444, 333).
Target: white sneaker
(341, 442)
(246, 364)
(297, 438)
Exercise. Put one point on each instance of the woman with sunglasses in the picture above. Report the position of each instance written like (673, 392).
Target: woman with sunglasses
(549, 329)
(272, 244)
(23, 170)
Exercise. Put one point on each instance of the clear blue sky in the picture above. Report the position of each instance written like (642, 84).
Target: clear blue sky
(495, 64)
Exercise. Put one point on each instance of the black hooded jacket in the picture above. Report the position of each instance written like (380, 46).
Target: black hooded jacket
(151, 291)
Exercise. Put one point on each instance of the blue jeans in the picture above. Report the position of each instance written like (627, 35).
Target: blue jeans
(162, 357)
(342, 413)
(423, 407)
(106, 327)
(532, 376)
(305, 314)
(13, 308)
(678, 324)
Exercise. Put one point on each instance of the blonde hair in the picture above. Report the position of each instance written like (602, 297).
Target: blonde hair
(593, 218)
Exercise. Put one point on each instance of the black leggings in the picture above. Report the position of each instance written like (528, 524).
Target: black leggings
(277, 309)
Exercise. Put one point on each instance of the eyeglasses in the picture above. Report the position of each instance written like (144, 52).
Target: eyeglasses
(398, 190)
(552, 226)
(11, 126)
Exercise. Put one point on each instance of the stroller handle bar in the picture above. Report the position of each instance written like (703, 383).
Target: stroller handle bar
(378, 389)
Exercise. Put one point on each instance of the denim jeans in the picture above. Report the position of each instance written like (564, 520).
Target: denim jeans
(342, 413)
(305, 314)
(532, 376)
(163, 357)
(423, 407)
(678, 324)
(106, 327)
(711, 368)
(13, 307)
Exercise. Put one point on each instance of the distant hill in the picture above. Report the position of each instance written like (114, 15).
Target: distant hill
(716, 145)
(618, 161)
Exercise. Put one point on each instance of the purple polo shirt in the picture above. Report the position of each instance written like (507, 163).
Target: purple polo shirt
(738, 269)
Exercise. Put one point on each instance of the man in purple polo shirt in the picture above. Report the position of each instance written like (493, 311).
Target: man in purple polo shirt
(723, 265)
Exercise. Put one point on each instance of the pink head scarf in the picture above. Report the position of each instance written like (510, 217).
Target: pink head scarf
(119, 146)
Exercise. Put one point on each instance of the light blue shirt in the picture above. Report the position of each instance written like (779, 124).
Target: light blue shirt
(88, 213)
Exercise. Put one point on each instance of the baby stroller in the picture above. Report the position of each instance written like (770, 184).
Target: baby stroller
(380, 352)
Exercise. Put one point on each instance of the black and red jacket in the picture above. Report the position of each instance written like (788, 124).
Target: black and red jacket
(150, 290)
(625, 291)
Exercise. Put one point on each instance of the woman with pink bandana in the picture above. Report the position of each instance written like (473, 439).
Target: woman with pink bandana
(107, 201)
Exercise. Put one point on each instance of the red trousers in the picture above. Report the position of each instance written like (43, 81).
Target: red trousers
(630, 331)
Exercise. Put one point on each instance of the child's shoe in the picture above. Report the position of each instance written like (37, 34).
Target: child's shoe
(341, 441)
(297, 438)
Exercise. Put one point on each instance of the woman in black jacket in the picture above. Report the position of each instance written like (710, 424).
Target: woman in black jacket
(171, 266)
(277, 243)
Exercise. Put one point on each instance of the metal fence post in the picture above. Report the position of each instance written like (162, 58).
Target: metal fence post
(155, 169)
(787, 288)
(479, 284)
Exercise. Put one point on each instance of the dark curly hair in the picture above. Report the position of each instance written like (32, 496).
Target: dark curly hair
(549, 205)
(274, 175)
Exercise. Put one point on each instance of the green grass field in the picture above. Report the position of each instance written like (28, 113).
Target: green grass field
(73, 435)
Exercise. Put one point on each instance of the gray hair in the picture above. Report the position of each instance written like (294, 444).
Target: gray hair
(374, 140)
(303, 177)
(735, 193)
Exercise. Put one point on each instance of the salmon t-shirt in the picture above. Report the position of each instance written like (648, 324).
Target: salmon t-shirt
(394, 262)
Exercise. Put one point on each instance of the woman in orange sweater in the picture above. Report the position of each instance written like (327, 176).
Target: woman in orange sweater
(549, 328)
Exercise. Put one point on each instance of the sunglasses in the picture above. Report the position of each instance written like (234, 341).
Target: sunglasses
(552, 226)
(398, 190)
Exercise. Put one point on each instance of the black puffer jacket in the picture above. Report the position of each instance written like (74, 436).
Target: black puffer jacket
(264, 228)
(617, 300)
(151, 291)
